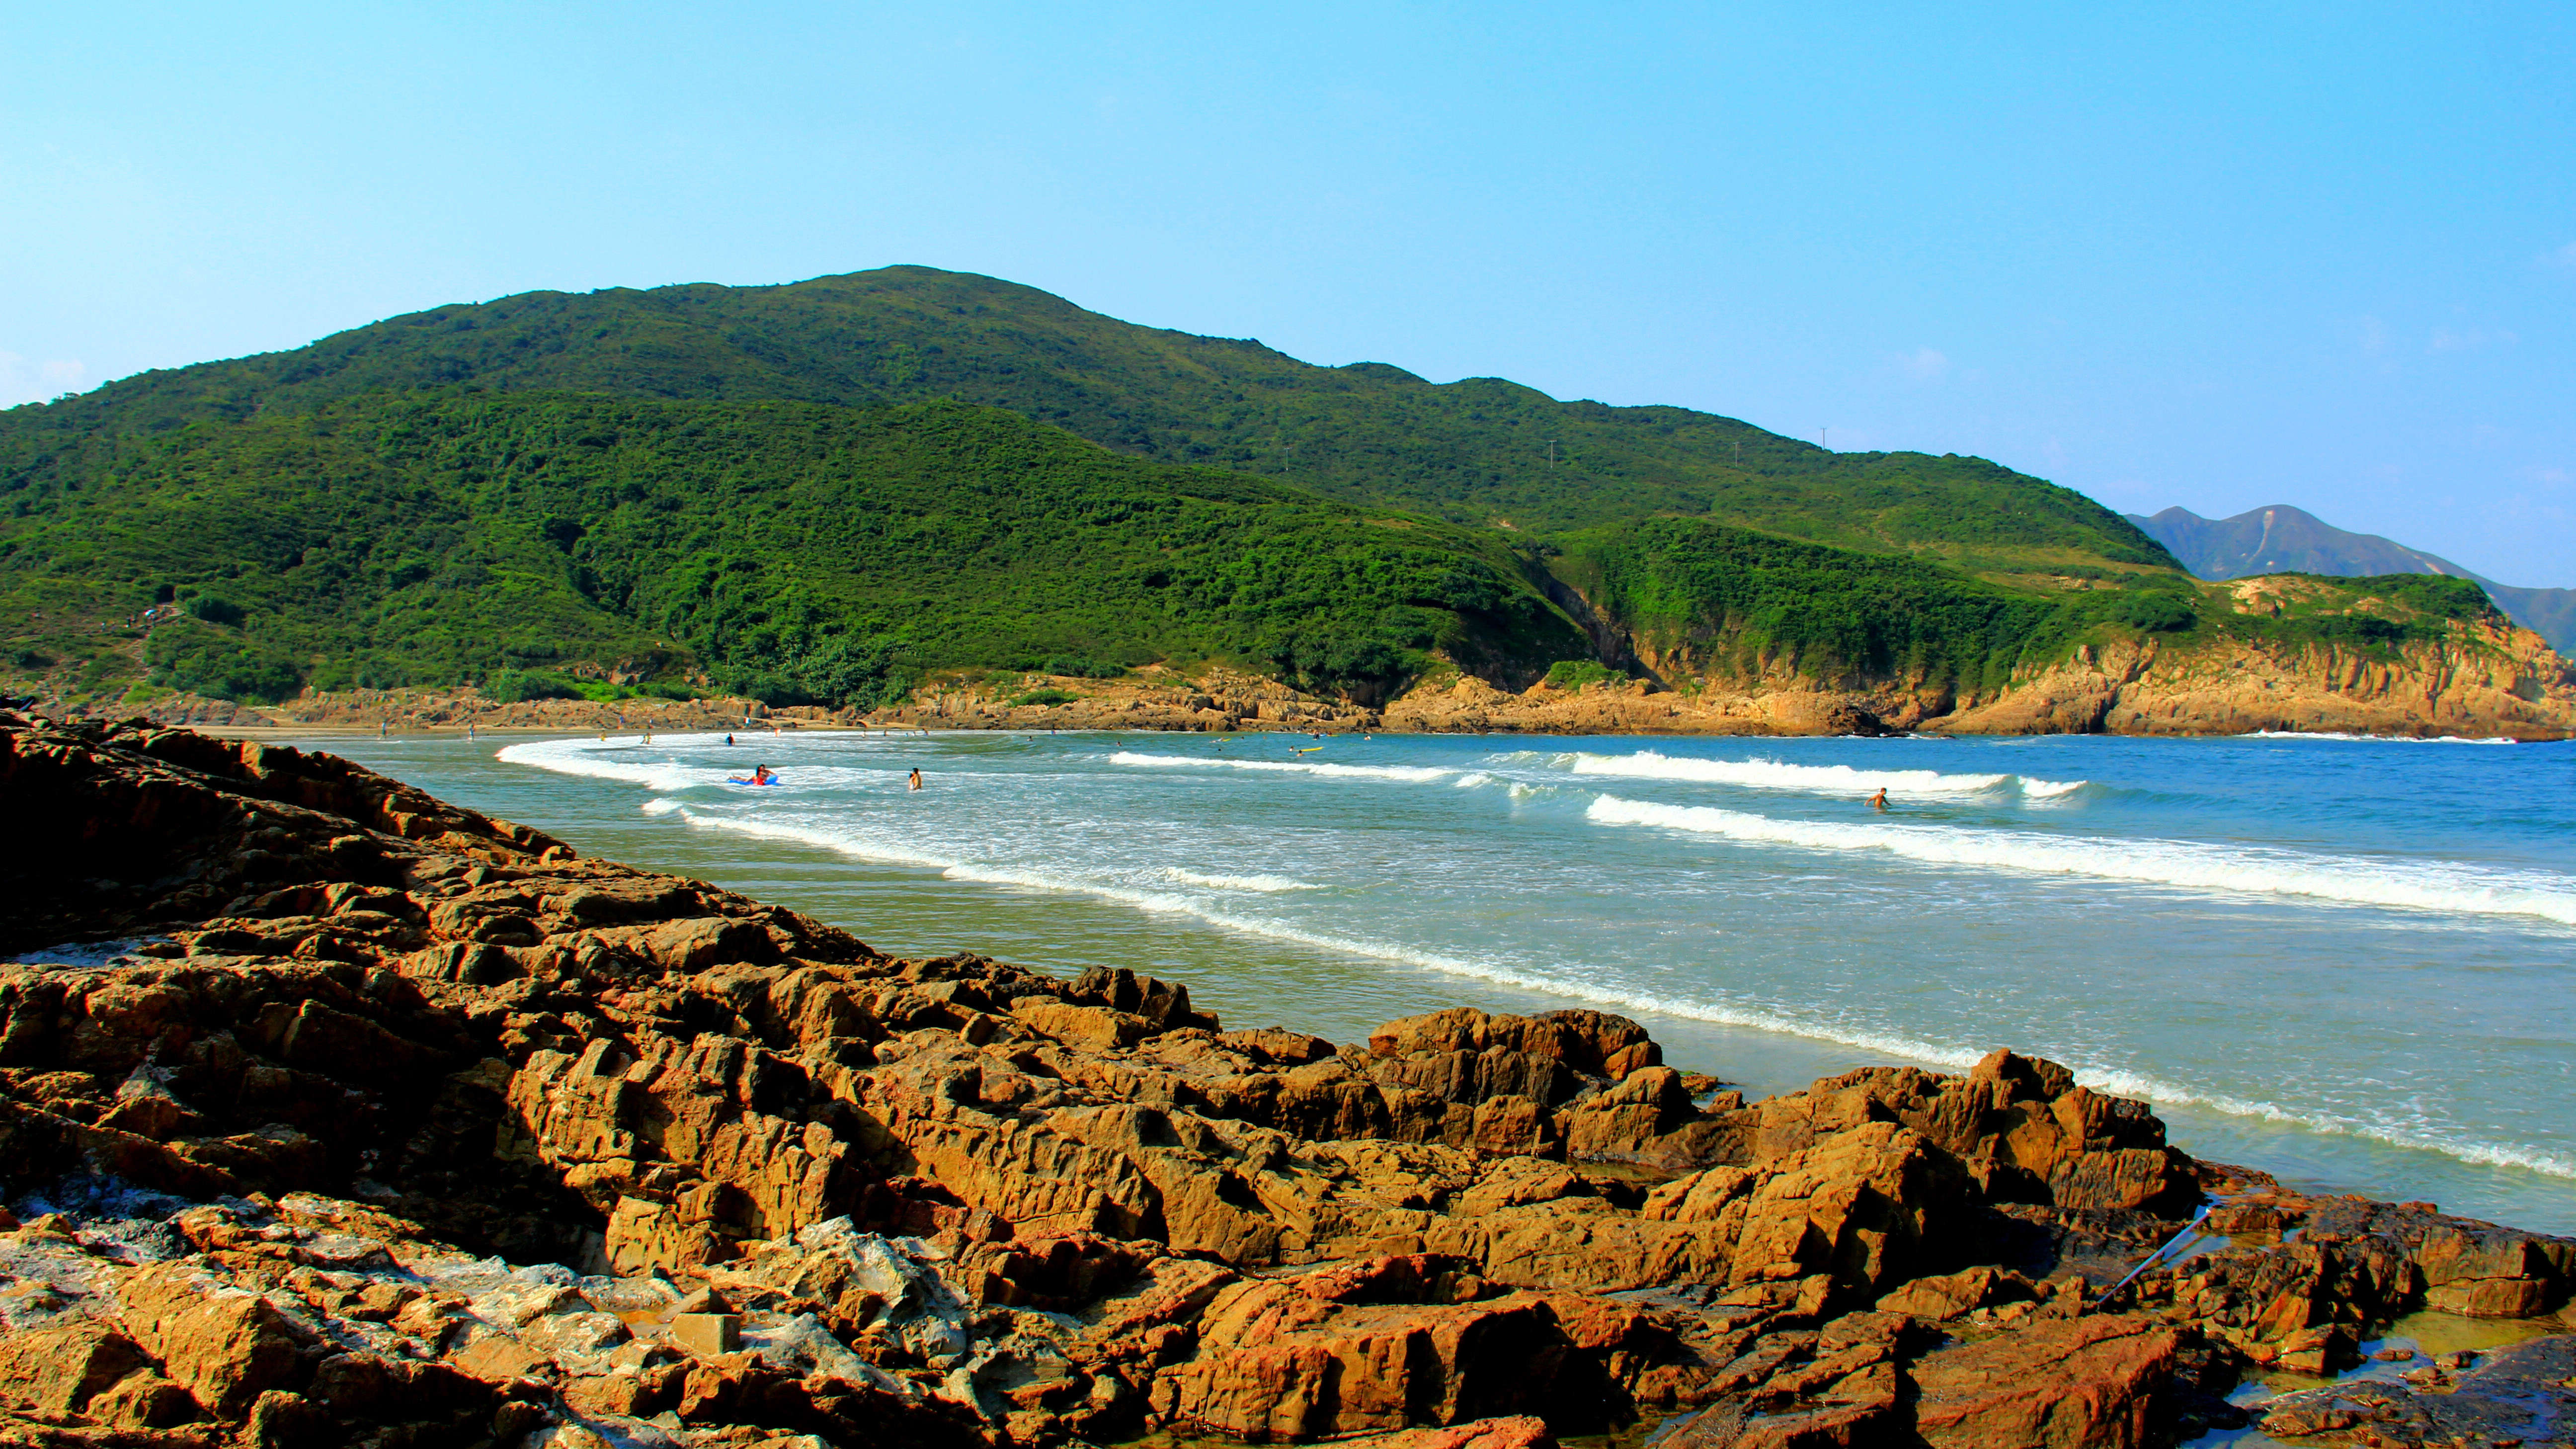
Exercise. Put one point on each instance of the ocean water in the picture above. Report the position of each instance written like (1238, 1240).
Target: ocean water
(2348, 962)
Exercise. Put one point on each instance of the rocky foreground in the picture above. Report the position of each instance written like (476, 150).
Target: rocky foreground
(396, 1125)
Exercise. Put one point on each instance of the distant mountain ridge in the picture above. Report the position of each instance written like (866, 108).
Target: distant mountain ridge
(2283, 539)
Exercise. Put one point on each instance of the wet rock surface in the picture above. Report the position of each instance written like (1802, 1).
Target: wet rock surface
(392, 1124)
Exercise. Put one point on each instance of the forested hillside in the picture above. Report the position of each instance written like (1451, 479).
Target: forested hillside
(1481, 452)
(821, 492)
(792, 551)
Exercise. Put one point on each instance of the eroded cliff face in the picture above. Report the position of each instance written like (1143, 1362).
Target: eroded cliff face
(404, 1126)
(2486, 679)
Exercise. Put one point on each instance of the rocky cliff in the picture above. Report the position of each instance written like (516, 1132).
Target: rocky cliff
(2487, 679)
(379, 1122)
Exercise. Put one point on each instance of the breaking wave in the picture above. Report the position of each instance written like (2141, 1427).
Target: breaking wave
(2153, 862)
(1767, 774)
(1593, 991)
(1414, 774)
(2376, 739)
(609, 760)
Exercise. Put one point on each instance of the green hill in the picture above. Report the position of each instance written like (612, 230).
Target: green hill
(794, 551)
(820, 492)
(1479, 452)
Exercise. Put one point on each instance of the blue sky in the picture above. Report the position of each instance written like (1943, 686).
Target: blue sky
(2216, 256)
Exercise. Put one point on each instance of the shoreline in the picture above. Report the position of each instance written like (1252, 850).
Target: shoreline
(1138, 1220)
(2130, 692)
(1778, 1052)
(1147, 731)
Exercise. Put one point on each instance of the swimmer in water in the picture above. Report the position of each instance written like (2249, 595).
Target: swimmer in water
(1878, 802)
(916, 780)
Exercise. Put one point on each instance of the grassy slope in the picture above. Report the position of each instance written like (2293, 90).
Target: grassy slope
(799, 550)
(1472, 452)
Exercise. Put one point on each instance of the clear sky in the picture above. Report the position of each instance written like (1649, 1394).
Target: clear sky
(2221, 256)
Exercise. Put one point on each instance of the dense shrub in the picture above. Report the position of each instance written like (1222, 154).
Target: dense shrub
(797, 554)
(222, 663)
(1580, 673)
(518, 686)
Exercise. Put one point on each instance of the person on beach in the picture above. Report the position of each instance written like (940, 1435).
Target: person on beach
(728, 742)
(916, 780)
(1878, 802)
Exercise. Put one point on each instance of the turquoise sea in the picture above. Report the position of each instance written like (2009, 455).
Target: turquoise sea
(2349, 962)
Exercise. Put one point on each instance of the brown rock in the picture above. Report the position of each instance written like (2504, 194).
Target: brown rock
(2489, 1297)
(143, 1400)
(224, 1346)
(2064, 1384)
(1943, 1297)
(1869, 1206)
(62, 1368)
(1524, 1431)
(2318, 1351)
(1358, 1350)
(1077, 1207)
(280, 1420)
(631, 1395)
(707, 1334)
(1092, 1028)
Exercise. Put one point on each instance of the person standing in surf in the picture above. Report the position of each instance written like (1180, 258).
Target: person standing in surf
(915, 782)
(1878, 802)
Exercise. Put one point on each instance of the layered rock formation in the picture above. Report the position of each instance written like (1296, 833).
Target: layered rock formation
(2486, 680)
(393, 1124)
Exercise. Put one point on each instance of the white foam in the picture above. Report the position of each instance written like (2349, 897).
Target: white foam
(1761, 773)
(2166, 1094)
(2188, 864)
(1266, 884)
(1474, 779)
(1414, 774)
(835, 840)
(591, 758)
(661, 805)
(1592, 991)
(2376, 739)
